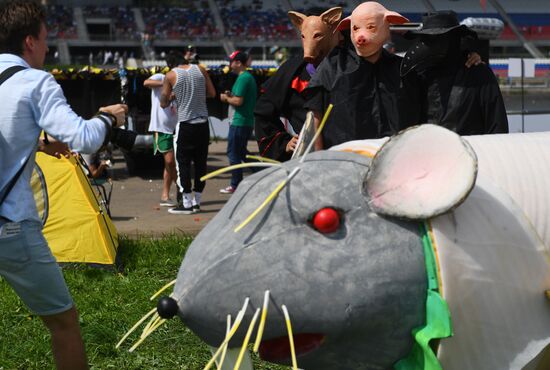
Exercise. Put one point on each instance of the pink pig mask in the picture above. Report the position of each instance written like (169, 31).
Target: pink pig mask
(370, 27)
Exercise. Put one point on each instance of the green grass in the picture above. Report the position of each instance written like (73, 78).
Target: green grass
(109, 304)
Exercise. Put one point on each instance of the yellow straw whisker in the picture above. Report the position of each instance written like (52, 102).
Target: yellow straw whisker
(228, 337)
(162, 289)
(153, 328)
(224, 352)
(290, 338)
(262, 323)
(321, 126)
(150, 327)
(135, 327)
(246, 339)
(268, 199)
(261, 159)
(149, 324)
(236, 167)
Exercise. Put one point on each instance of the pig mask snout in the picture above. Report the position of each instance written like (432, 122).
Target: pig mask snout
(361, 40)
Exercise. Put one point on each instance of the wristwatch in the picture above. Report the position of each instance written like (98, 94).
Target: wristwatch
(111, 117)
(110, 122)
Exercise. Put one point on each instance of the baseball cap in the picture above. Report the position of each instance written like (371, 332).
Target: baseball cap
(238, 55)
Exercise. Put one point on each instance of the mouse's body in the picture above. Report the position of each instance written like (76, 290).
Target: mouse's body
(366, 296)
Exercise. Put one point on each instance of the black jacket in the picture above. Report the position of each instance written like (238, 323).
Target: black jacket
(282, 97)
(366, 96)
(465, 100)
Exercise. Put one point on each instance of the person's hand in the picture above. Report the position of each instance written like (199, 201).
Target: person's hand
(291, 145)
(54, 148)
(105, 163)
(474, 59)
(117, 110)
(172, 96)
(223, 97)
(319, 144)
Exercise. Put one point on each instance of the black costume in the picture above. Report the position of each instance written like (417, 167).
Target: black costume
(366, 96)
(282, 97)
(441, 89)
(465, 100)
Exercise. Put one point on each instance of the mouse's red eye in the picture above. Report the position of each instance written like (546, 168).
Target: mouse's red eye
(326, 220)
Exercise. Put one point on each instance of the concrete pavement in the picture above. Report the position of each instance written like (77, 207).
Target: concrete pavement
(135, 200)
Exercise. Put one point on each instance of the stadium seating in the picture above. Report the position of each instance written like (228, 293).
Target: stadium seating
(123, 17)
(266, 20)
(60, 22)
(177, 23)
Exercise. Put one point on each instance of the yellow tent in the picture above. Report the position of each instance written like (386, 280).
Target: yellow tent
(76, 224)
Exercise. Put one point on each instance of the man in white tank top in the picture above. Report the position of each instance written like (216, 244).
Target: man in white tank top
(189, 85)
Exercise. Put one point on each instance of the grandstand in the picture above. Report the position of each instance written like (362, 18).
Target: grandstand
(80, 29)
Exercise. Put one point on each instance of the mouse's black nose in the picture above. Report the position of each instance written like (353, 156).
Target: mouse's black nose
(167, 307)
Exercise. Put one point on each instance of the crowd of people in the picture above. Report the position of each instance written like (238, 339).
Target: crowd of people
(177, 23)
(256, 20)
(245, 22)
(61, 23)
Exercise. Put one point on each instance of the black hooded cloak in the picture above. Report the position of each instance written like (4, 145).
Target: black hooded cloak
(283, 96)
(365, 96)
(441, 90)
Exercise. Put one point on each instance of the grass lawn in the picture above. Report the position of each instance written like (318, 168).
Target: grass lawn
(109, 304)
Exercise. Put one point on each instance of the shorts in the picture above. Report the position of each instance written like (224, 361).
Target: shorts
(163, 143)
(29, 267)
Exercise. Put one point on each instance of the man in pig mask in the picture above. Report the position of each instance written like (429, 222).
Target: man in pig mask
(283, 94)
(361, 81)
(441, 89)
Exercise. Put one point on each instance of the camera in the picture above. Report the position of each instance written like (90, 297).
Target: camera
(123, 138)
(120, 137)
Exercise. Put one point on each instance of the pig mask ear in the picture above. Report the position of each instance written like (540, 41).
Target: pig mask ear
(332, 16)
(344, 24)
(394, 18)
(297, 19)
(420, 173)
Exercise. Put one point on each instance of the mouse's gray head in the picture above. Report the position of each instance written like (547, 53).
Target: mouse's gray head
(354, 291)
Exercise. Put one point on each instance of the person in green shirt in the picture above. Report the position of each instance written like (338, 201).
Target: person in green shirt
(242, 98)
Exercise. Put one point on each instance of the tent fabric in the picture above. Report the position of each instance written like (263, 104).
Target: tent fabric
(77, 226)
(518, 163)
(494, 273)
(495, 257)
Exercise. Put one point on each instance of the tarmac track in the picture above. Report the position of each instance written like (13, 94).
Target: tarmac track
(135, 200)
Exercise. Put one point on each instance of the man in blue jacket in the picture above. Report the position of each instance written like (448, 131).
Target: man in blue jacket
(32, 101)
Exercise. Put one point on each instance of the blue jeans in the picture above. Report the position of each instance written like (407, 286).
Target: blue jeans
(237, 140)
(27, 264)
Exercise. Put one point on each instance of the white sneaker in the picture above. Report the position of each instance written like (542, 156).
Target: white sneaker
(181, 210)
(196, 203)
(167, 203)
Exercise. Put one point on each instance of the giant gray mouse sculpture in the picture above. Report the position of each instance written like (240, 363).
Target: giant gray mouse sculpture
(412, 248)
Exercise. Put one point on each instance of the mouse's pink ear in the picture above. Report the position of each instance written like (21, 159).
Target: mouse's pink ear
(394, 18)
(420, 173)
(344, 24)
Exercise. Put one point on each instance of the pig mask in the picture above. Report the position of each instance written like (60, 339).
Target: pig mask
(370, 27)
(318, 33)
